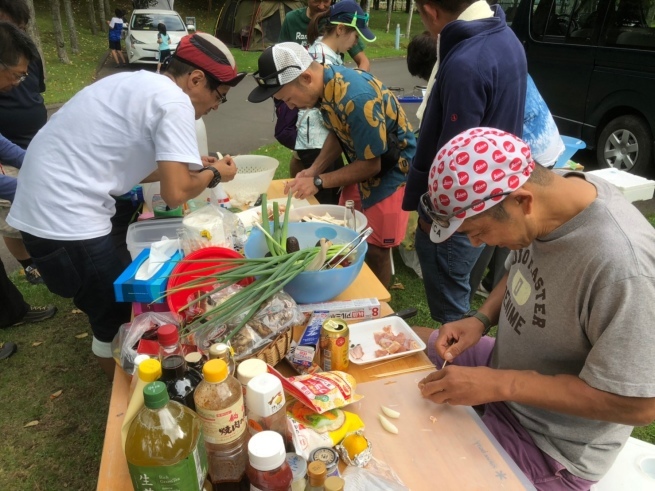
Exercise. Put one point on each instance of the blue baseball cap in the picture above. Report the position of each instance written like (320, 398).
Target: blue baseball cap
(351, 14)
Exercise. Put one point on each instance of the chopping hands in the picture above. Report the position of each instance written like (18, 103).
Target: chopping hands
(301, 187)
(226, 166)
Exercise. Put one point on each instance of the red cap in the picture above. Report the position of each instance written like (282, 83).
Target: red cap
(167, 335)
(209, 54)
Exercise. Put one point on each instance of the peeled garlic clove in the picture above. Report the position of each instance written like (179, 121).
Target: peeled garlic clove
(390, 412)
(388, 425)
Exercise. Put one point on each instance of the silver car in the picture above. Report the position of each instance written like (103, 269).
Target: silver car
(141, 39)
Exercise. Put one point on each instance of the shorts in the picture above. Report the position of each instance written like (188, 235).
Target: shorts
(7, 230)
(387, 219)
(115, 45)
(163, 54)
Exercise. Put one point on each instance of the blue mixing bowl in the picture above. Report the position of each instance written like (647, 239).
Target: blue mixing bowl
(314, 286)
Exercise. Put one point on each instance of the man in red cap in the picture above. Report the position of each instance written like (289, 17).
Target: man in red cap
(122, 130)
(571, 369)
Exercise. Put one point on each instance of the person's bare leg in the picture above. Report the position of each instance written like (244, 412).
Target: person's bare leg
(114, 56)
(120, 54)
(108, 366)
(379, 261)
(17, 248)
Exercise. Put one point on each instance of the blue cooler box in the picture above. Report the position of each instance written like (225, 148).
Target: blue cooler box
(128, 289)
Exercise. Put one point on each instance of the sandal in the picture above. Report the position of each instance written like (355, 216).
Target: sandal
(7, 349)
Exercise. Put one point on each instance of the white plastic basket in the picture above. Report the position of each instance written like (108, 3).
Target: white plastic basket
(254, 175)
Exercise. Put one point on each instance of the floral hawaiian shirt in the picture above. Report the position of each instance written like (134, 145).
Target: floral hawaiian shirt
(359, 109)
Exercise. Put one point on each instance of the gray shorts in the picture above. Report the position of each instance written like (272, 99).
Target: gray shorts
(7, 230)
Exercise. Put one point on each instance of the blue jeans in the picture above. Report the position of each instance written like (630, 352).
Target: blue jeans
(83, 270)
(446, 268)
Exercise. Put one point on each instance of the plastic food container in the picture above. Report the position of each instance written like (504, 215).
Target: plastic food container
(634, 188)
(141, 234)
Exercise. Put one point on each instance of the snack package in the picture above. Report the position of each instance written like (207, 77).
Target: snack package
(321, 391)
(278, 313)
(127, 338)
(310, 430)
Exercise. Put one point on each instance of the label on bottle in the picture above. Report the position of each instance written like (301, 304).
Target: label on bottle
(223, 425)
(187, 475)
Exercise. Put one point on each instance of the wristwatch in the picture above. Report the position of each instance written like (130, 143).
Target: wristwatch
(217, 176)
(318, 182)
(482, 318)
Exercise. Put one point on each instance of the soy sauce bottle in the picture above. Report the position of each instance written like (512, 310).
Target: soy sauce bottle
(180, 381)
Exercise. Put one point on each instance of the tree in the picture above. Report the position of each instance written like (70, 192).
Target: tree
(103, 18)
(70, 22)
(108, 11)
(33, 31)
(92, 17)
(409, 19)
(59, 32)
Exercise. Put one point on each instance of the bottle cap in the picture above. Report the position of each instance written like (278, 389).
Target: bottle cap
(264, 395)
(214, 371)
(167, 335)
(193, 357)
(249, 368)
(298, 465)
(150, 370)
(334, 483)
(266, 450)
(316, 472)
(140, 358)
(218, 350)
(155, 395)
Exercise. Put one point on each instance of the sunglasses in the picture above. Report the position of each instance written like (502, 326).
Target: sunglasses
(443, 219)
(19, 77)
(353, 20)
(272, 79)
(222, 98)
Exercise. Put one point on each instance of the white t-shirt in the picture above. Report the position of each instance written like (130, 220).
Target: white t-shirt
(100, 144)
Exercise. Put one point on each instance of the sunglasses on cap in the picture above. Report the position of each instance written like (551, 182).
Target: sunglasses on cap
(272, 79)
(353, 21)
(443, 219)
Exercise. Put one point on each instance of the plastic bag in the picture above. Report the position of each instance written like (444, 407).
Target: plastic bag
(143, 326)
(376, 475)
(207, 226)
(278, 313)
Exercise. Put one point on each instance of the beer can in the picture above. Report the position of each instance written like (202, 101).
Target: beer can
(334, 345)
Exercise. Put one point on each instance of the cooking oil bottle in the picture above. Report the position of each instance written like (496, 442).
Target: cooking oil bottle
(165, 448)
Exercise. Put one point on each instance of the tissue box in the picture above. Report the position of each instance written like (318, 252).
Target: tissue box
(128, 289)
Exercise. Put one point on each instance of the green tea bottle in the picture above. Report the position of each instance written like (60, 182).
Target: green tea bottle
(165, 449)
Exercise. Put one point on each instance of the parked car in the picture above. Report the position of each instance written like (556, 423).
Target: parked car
(141, 39)
(594, 63)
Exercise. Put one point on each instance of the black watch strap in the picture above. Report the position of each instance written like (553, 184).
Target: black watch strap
(318, 182)
(217, 176)
(482, 318)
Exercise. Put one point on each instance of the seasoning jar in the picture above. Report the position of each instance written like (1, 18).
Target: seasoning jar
(316, 474)
(221, 351)
(249, 369)
(267, 467)
(334, 483)
(266, 405)
(329, 457)
(299, 470)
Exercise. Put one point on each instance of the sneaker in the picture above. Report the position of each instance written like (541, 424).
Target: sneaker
(33, 276)
(482, 291)
(38, 314)
(7, 349)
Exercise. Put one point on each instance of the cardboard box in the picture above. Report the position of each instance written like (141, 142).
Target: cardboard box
(634, 188)
(129, 289)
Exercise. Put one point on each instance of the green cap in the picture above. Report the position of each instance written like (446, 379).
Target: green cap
(155, 395)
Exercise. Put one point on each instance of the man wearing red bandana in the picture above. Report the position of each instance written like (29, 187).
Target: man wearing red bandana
(122, 130)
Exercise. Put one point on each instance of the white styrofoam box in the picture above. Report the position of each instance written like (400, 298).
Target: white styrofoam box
(141, 234)
(633, 470)
(634, 188)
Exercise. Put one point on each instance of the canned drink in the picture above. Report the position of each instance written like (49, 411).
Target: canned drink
(329, 457)
(334, 345)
